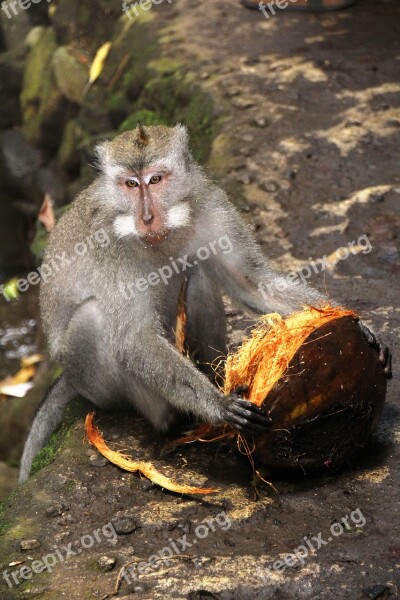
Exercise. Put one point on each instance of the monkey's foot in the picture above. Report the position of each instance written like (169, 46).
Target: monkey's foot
(306, 5)
(385, 356)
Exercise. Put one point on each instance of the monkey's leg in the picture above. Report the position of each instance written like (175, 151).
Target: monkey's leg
(87, 357)
(104, 381)
(48, 417)
(206, 326)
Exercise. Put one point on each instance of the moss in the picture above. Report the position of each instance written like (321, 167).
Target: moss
(5, 524)
(26, 528)
(37, 68)
(143, 116)
(165, 65)
(172, 99)
(74, 411)
(119, 107)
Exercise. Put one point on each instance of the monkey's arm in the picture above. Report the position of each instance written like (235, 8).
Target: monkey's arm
(165, 372)
(247, 277)
(246, 274)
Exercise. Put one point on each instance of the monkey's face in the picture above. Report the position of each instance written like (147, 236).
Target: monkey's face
(146, 174)
(145, 192)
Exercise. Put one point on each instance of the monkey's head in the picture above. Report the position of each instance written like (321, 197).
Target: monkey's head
(146, 173)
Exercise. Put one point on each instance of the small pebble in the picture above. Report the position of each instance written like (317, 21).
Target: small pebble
(29, 544)
(243, 102)
(106, 563)
(375, 591)
(377, 197)
(97, 461)
(270, 186)
(261, 121)
(124, 525)
(56, 510)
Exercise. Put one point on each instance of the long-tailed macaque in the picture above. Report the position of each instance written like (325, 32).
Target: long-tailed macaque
(110, 314)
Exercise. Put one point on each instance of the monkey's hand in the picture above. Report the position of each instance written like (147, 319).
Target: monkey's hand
(244, 415)
(385, 356)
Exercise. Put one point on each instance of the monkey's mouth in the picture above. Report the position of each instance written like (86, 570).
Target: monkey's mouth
(153, 237)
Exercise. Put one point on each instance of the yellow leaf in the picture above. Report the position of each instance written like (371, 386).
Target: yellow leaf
(29, 361)
(98, 65)
(17, 385)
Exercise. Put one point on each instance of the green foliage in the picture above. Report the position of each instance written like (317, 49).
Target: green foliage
(143, 116)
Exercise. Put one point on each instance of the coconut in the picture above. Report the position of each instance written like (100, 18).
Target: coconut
(319, 381)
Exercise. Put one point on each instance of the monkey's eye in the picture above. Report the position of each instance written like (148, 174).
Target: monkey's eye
(131, 183)
(155, 179)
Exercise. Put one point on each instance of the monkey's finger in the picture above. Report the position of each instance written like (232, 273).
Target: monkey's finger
(243, 424)
(241, 389)
(239, 413)
(250, 406)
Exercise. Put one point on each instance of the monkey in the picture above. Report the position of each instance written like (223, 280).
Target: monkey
(109, 315)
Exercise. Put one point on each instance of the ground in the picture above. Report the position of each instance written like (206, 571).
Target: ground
(308, 138)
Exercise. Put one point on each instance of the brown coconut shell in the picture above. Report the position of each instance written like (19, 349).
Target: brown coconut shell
(328, 401)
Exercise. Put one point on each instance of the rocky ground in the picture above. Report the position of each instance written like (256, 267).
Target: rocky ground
(308, 131)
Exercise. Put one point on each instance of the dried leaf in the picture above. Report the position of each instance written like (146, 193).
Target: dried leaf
(18, 390)
(97, 65)
(29, 361)
(17, 385)
(46, 214)
(125, 462)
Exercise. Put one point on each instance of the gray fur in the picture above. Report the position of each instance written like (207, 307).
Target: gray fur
(119, 349)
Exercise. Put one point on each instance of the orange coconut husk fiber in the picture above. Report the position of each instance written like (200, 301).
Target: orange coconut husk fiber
(261, 361)
(125, 462)
(264, 357)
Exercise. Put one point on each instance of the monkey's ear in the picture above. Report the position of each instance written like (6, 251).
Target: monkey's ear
(181, 135)
(103, 156)
(181, 145)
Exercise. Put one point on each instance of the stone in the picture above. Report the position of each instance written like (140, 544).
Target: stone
(19, 162)
(243, 102)
(261, 121)
(124, 524)
(106, 563)
(29, 545)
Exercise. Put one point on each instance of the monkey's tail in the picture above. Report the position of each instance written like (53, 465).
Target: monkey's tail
(47, 418)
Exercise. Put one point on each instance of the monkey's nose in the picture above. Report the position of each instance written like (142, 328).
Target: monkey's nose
(148, 218)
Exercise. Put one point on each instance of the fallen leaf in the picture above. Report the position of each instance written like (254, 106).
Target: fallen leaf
(18, 385)
(29, 361)
(46, 214)
(19, 390)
